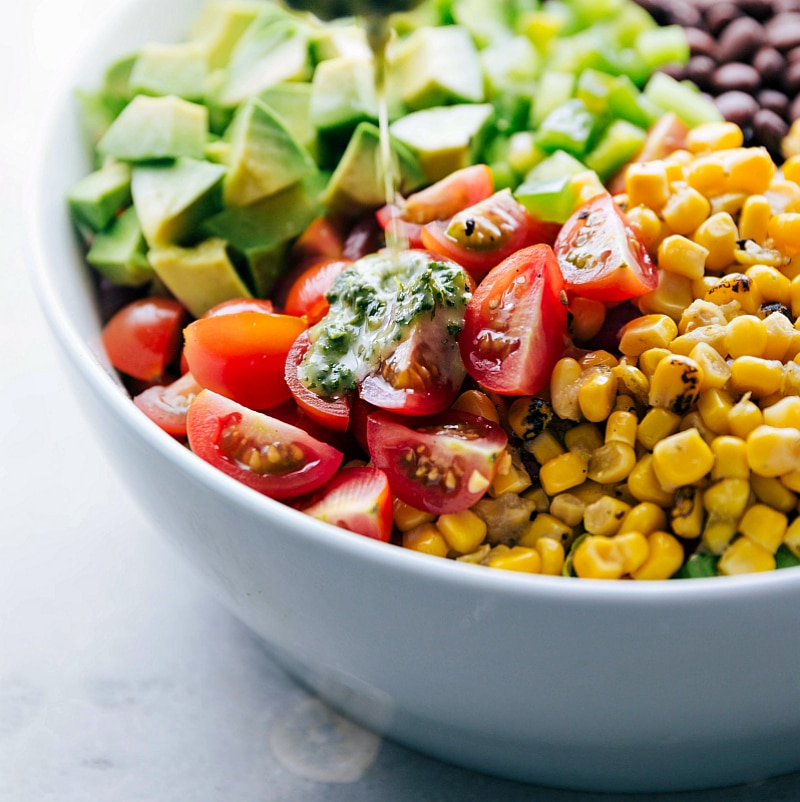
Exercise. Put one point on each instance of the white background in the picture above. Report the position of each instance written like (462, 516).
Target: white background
(121, 679)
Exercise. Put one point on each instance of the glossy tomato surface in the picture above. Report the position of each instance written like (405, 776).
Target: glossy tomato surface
(307, 295)
(265, 453)
(167, 405)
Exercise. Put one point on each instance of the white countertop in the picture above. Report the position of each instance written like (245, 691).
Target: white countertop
(121, 678)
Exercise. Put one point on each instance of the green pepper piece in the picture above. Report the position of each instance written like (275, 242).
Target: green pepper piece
(785, 557)
(569, 127)
(698, 566)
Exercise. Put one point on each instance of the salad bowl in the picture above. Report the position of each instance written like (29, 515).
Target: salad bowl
(582, 684)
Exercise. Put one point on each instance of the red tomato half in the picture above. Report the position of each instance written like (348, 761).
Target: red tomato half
(323, 239)
(243, 355)
(307, 294)
(440, 464)
(272, 457)
(333, 413)
(600, 255)
(357, 499)
(167, 405)
(515, 324)
(143, 338)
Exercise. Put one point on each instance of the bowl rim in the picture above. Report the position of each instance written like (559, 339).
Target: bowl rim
(61, 105)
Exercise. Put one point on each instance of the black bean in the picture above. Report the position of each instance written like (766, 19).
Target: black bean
(773, 100)
(737, 107)
(794, 109)
(791, 79)
(792, 55)
(780, 6)
(719, 15)
(740, 39)
(770, 65)
(770, 129)
(685, 13)
(736, 76)
(783, 30)
(700, 69)
(701, 43)
(760, 9)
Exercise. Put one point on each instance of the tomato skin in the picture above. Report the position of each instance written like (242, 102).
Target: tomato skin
(143, 338)
(307, 295)
(443, 463)
(167, 405)
(357, 499)
(516, 323)
(225, 434)
(323, 239)
(236, 305)
(243, 355)
(331, 413)
(600, 255)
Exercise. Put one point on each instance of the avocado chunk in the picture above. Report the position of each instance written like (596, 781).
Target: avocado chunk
(97, 197)
(200, 277)
(157, 128)
(339, 40)
(171, 69)
(172, 199)
(264, 157)
(119, 252)
(438, 66)
(116, 88)
(220, 25)
(291, 101)
(446, 138)
(95, 116)
(343, 94)
(356, 185)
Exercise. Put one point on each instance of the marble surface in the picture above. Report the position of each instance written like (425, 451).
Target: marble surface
(121, 678)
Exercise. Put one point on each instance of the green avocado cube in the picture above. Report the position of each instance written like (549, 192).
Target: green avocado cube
(264, 157)
(509, 62)
(119, 252)
(343, 95)
(98, 196)
(156, 128)
(446, 138)
(339, 40)
(200, 277)
(220, 25)
(291, 101)
(116, 87)
(171, 69)
(173, 199)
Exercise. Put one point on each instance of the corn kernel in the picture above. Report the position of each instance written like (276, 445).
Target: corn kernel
(780, 335)
(604, 516)
(587, 318)
(644, 517)
(427, 539)
(761, 377)
(719, 236)
(746, 336)
(664, 557)
(599, 557)
(791, 169)
(730, 458)
(545, 525)
(670, 297)
(650, 358)
(552, 556)
(621, 427)
(727, 499)
(656, 425)
(514, 480)
(632, 381)
(792, 537)
(680, 255)
(516, 558)
(694, 420)
(477, 557)
(712, 335)
(744, 556)
(716, 371)
(564, 386)
(545, 447)
(736, 287)
(754, 219)
(675, 384)
(750, 170)
(646, 184)
(714, 136)
(647, 224)
(596, 395)
(583, 439)
(568, 508)
(611, 463)
(771, 283)
(597, 359)
(773, 451)
(477, 403)
(784, 230)
(771, 491)
(714, 407)
(645, 332)
(707, 175)
(644, 484)
(464, 531)
(407, 517)
(791, 481)
(701, 286)
(687, 514)
(744, 417)
(783, 196)
(785, 412)
(563, 472)
(682, 459)
(685, 210)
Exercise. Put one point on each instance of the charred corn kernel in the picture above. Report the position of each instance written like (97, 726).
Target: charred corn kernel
(464, 531)
(771, 491)
(529, 416)
(644, 517)
(718, 533)
(682, 458)
(583, 439)
(515, 480)
(564, 386)
(427, 539)
(604, 516)
(707, 175)
(552, 556)
(751, 374)
(664, 557)
(785, 412)
(784, 230)
(656, 425)
(545, 447)
(716, 371)
(567, 507)
(650, 358)
(587, 318)
(714, 406)
(771, 283)
(736, 287)
(545, 525)
(701, 314)
(600, 557)
(719, 235)
(621, 428)
(647, 224)
(611, 463)
(680, 255)
(792, 537)
(646, 184)
(687, 514)
(730, 458)
(727, 498)
(407, 517)
(749, 254)
(632, 381)
(791, 169)
(701, 286)
(477, 403)
(694, 420)
(670, 297)
(773, 451)
(744, 417)
(685, 210)
(745, 556)
(780, 334)
(563, 472)
(754, 218)
(597, 394)
(477, 557)
(714, 136)
(675, 384)
(713, 335)
(644, 485)
(746, 336)
(516, 558)
(645, 332)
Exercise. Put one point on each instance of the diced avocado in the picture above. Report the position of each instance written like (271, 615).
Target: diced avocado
(95, 117)
(119, 252)
(157, 128)
(446, 138)
(97, 197)
(199, 277)
(487, 22)
(547, 191)
(259, 234)
(342, 40)
(116, 83)
(620, 142)
(220, 25)
(291, 101)
(555, 89)
(438, 66)
(357, 182)
(172, 199)
(264, 157)
(510, 62)
(171, 69)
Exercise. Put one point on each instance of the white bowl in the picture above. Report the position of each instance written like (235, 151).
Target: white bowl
(580, 684)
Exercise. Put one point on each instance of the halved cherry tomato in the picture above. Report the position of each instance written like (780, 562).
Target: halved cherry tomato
(167, 405)
(323, 239)
(243, 355)
(307, 294)
(364, 237)
(357, 499)
(264, 453)
(143, 338)
(333, 413)
(439, 464)
(515, 323)
(601, 256)
(482, 235)
(234, 305)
